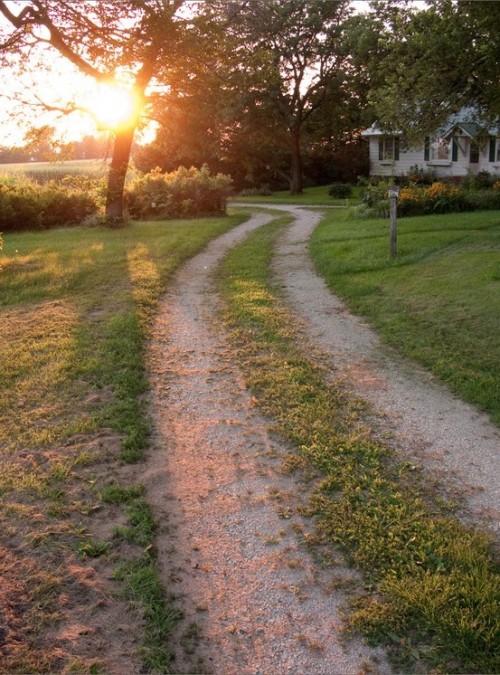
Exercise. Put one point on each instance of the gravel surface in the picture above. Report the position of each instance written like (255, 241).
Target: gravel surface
(231, 545)
(456, 443)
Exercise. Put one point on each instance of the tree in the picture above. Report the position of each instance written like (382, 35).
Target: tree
(435, 61)
(286, 55)
(107, 40)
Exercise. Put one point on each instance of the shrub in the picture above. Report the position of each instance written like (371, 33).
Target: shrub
(27, 205)
(340, 190)
(484, 199)
(440, 197)
(412, 201)
(181, 194)
(374, 199)
(419, 176)
(262, 191)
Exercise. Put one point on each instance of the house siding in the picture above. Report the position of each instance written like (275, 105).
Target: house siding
(459, 164)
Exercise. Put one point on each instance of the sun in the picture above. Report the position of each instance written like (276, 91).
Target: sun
(113, 106)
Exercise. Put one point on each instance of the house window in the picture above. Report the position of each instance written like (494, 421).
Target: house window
(494, 155)
(388, 149)
(440, 150)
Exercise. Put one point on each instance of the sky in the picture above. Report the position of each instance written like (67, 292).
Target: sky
(63, 83)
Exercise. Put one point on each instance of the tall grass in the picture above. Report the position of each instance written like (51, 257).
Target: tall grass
(44, 172)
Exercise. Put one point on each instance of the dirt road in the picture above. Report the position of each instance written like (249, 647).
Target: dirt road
(232, 540)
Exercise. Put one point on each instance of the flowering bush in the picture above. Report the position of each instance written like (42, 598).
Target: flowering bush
(27, 205)
(181, 194)
(441, 190)
(411, 194)
(418, 199)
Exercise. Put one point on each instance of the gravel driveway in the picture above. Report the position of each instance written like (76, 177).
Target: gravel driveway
(231, 544)
(456, 443)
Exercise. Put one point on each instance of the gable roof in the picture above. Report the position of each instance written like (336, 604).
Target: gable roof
(470, 129)
(461, 120)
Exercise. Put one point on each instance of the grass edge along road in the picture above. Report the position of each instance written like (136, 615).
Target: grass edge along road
(75, 309)
(438, 302)
(432, 590)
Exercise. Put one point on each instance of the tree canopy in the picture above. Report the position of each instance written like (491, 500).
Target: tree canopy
(127, 41)
(293, 53)
(432, 62)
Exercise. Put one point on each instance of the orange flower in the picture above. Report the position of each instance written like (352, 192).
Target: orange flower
(437, 190)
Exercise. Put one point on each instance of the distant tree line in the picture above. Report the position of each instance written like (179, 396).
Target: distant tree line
(47, 151)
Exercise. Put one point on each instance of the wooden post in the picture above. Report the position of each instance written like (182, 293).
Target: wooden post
(393, 231)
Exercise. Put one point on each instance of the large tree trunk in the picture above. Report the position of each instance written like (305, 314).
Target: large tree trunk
(296, 164)
(116, 177)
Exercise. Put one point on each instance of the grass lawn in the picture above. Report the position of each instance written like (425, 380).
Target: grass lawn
(314, 196)
(431, 588)
(75, 309)
(438, 302)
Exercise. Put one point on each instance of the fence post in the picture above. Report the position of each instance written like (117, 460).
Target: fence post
(393, 193)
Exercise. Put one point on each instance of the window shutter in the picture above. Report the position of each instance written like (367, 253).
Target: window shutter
(381, 150)
(427, 148)
(454, 151)
(492, 149)
(396, 149)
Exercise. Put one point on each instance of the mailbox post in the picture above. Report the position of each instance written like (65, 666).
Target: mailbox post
(393, 193)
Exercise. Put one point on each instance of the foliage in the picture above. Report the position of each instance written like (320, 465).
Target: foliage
(419, 176)
(182, 193)
(374, 199)
(101, 40)
(270, 68)
(420, 199)
(432, 62)
(481, 180)
(27, 205)
(340, 190)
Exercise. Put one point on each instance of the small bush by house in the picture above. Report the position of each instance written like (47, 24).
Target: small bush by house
(340, 190)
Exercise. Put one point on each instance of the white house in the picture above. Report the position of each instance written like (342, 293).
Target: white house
(459, 149)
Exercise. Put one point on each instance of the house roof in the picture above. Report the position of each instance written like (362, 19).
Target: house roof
(374, 130)
(471, 129)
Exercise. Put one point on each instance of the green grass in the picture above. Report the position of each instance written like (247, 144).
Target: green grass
(314, 196)
(76, 307)
(438, 302)
(432, 591)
